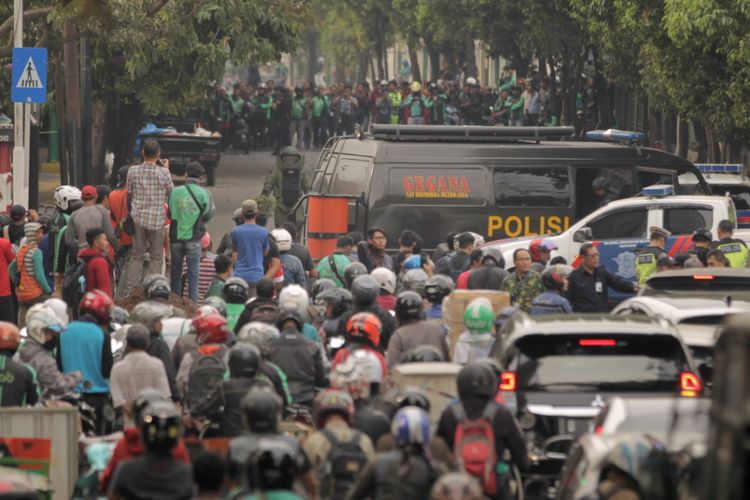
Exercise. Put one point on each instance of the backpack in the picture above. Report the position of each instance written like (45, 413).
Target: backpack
(265, 313)
(474, 447)
(290, 186)
(74, 283)
(345, 461)
(206, 373)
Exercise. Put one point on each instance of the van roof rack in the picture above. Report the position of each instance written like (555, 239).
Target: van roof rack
(468, 133)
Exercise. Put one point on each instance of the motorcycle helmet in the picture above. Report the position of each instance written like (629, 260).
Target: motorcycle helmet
(97, 304)
(235, 291)
(294, 297)
(411, 426)
(60, 308)
(39, 319)
(495, 254)
(210, 329)
(554, 276)
(283, 239)
(217, 303)
(476, 380)
(471, 81)
(272, 465)
(156, 286)
(416, 87)
(457, 486)
(409, 307)
(414, 280)
(410, 396)
(332, 401)
(369, 362)
(321, 286)
(365, 291)
(64, 195)
(437, 288)
(600, 183)
(119, 316)
(10, 337)
(238, 217)
(244, 360)
(350, 377)
(149, 312)
(479, 316)
(386, 279)
(145, 398)
(260, 335)
(340, 300)
(289, 315)
(352, 271)
(160, 426)
(262, 409)
(365, 326)
(423, 354)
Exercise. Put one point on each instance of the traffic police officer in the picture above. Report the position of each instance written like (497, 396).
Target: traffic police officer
(286, 183)
(646, 259)
(734, 249)
(701, 243)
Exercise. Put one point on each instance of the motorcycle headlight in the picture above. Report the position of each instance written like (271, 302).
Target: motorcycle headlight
(527, 421)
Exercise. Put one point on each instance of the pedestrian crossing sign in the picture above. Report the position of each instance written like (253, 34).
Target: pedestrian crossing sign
(29, 77)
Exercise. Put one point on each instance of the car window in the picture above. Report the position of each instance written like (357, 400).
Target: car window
(622, 224)
(618, 362)
(688, 183)
(351, 176)
(685, 220)
(532, 187)
(739, 192)
(648, 177)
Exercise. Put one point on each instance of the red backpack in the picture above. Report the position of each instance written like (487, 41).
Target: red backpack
(474, 446)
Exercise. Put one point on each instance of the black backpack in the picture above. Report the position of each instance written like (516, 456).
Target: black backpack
(74, 284)
(345, 461)
(290, 186)
(206, 373)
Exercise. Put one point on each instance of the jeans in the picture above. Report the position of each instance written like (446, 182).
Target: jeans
(145, 239)
(190, 250)
(298, 127)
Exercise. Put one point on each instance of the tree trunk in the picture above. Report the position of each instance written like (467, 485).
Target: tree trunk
(434, 55)
(382, 53)
(416, 72)
(72, 102)
(713, 153)
(683, 136)
(471, 58)
(311, 39)
(98, 147)
(602, 93)
(700, 136)
(364, 60)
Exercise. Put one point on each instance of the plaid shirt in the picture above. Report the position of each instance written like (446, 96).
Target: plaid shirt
(149, 186)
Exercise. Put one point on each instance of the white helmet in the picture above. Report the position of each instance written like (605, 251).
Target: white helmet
(60, 308)
(39, 319)
(65, 194)
(283, 239)
(261, 335)
(294, 297)
(368, 362)
(385, 278)
(471, 81)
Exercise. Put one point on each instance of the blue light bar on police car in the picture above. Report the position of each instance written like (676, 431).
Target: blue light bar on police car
(615, 135)
(724, 168)
(658, 190)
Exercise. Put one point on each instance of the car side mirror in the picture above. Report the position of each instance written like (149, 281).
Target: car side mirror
(706, 372)
(583, 235)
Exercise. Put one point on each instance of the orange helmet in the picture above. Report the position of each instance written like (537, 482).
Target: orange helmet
(9, 336)
(210, 329)
(366, 326)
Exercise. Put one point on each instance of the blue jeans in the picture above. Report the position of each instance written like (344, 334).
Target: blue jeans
(190, 250)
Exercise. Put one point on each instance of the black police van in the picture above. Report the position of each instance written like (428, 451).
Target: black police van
(499, 182)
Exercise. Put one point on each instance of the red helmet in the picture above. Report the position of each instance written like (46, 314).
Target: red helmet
(98, 304)
(210, 329)
(365, 325)
(9, 336)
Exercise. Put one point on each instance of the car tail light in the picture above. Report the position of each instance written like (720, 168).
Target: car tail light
(703, 277)
(690, 385)
(597, 342)
(508, 382)
(598, 430)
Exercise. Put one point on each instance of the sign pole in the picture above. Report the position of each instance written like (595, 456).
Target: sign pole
(20, 120)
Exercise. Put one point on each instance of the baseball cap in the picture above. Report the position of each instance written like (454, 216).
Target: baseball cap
(249, 207)
(702, 235)
(17, 212)
(88, 193)
(548, 244)
(660, 231)
(195, 170)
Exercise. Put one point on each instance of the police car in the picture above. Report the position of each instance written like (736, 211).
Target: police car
(620, 229)
(730, 178)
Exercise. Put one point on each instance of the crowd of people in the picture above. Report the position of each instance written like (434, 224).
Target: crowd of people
(273, 116)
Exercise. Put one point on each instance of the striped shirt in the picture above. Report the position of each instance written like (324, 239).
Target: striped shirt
(206, 273)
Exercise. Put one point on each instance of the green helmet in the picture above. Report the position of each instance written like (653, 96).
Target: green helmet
(479, 316)
(290, 157)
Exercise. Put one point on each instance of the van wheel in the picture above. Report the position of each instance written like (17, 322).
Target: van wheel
(210, 175)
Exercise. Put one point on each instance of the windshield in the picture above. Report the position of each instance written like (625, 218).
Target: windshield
(739, 192)
(619, 362)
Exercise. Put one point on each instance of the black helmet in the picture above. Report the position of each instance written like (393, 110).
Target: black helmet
(411, 396)
(321, 286)
(273, 464)
(702, 235)
(262, 409)
(414, 280)
(365, 291)
(352, 271)
(156, 286)
(236, 290)
(437, 288)
(409, 306)
(600, 183)
(495, 255)
(218, 303)
(119, 315)
(160, 426)
(145, 398)
(340, 300)
(244, 360)
(423, 354)
(289, 314)
(553, 276)
(476, 380)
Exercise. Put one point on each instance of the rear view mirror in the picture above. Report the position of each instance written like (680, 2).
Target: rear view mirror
(583, 235)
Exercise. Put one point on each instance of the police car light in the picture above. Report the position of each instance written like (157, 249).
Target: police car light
(614, 135)
(724, 168)
(658, 190)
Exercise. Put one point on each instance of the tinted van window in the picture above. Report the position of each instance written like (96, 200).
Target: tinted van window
(687, 220)
(532, 187)
(351, 176)
(622, 224)
(437, 186)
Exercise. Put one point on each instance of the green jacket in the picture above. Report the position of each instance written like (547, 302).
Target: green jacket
(318, 106)
(263, 103)
(216, 288)
(524, 291)
(516, 107)
(187, 217)
(340, 261)
(298, 108)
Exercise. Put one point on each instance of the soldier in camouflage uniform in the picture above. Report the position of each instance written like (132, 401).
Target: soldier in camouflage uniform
(524, 284)
(286, 183)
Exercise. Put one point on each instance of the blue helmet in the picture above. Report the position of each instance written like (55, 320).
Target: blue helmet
(413, 262)
(411, 426)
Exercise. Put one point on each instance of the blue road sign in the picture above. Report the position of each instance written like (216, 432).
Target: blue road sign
(29, 80)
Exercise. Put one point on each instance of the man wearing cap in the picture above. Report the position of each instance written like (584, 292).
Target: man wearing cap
(28, 271)
(454, 264)
(190, 208)
(645, 262)
(701, 244)
(734, 249)
(136, 372)
(14, 231)
(89, 216)
(249, 245)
